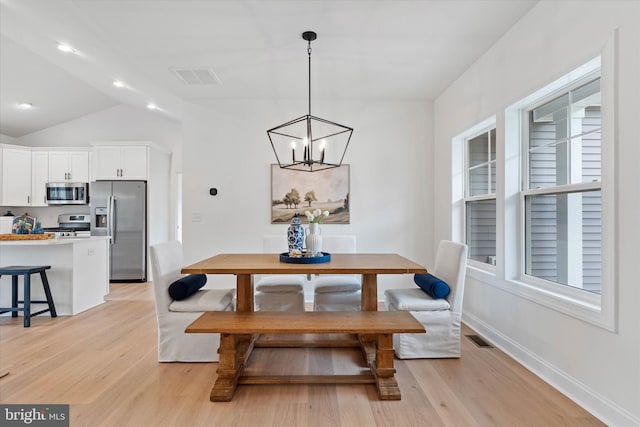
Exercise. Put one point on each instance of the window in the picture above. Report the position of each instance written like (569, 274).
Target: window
(534, 190)
(480, 196)
(562, 203)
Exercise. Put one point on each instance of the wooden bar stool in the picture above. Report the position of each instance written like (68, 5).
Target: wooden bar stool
(26, 272)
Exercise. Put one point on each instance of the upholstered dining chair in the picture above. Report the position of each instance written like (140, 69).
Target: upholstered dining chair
(440, 317)
(174, 345)
(337, 292)
(281, 292)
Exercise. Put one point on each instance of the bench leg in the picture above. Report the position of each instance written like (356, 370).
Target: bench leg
(234, 352)
(383, 369)
(47, 292)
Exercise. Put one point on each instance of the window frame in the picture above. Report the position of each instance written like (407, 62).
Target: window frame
(459, 188)
(526, 191)
(597, 309)
(492, 128)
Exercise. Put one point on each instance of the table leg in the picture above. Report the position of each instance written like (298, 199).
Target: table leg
(244, 302)
(369, 302)
(244, 292)
(234, 349)
(383, 369)
(369, 292)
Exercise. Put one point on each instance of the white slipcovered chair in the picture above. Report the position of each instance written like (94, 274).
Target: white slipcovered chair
(440, 317)
(283, 292)
(174, 345)
(336, 292)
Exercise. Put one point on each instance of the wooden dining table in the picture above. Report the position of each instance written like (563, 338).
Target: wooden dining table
(244, 266)
(240, 331)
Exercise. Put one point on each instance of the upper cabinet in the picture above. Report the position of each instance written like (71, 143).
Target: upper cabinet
(39, 177)
(16, 177)
(69, 166)
(120, 162)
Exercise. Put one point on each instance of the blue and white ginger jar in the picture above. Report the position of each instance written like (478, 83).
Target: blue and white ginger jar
(295, 234)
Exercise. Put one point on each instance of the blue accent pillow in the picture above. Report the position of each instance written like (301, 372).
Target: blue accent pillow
(434, 287)
(186, 286)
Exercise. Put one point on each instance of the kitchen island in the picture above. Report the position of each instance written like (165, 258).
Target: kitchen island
(79, 274)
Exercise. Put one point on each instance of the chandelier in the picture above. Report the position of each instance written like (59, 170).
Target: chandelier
(309, 143)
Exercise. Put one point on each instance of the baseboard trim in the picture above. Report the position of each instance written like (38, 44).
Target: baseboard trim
(599, 406)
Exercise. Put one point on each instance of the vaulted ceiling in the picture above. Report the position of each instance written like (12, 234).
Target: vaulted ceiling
(366, 49)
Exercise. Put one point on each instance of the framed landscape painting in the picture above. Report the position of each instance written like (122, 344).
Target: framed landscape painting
(296, 192)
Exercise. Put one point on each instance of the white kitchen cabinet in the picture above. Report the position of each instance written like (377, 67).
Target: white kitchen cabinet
(121, 162)
(69, 166)
(39, 177)
(16, 177)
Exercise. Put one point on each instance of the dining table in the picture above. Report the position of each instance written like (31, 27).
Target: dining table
(241, 330)
(245, 265)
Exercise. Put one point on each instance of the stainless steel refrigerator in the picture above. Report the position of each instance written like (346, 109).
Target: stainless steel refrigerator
(119, 210)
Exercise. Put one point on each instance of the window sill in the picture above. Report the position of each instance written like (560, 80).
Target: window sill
(481, 266)
(581, 305)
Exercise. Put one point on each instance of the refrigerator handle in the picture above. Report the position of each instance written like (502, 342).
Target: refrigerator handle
(112, 219)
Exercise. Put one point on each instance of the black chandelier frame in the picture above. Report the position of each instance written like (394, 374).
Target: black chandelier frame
(308, 163)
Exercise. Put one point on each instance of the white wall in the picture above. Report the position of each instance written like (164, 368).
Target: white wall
(598, 368)
(390, 153)
(6, 139)
(119, 123)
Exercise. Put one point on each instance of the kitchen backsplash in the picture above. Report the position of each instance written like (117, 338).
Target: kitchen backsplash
(47, 215)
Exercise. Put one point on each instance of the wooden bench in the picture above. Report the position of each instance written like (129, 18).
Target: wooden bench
(239, 332)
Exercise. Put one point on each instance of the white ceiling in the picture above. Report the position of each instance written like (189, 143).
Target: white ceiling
(366, 49)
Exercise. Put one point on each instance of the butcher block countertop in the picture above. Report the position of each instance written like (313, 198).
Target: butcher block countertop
(46, 241)
(43, 236)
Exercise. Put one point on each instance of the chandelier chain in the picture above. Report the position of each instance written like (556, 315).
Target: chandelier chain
(309, 53)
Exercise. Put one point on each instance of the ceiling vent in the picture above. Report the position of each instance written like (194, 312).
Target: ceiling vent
(196, 76)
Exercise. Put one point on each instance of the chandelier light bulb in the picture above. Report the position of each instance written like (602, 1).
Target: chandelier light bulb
(323, 144)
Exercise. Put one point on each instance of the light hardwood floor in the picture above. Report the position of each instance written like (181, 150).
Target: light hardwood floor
(103, 363)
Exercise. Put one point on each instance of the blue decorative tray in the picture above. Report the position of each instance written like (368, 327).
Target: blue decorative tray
(325, 257)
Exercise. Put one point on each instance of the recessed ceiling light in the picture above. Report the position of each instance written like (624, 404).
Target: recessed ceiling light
(66, 48)
(152, 106)
(118, 83)
(25, 105)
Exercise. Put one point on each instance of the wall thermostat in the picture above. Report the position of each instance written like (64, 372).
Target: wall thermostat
(213, 191)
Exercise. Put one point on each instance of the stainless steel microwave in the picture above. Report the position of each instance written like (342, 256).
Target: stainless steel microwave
(67, 193)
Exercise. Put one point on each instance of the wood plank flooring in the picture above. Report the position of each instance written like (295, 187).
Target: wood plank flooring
(103, 363)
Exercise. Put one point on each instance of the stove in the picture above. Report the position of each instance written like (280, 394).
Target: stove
(72, 225)
(60, 232)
